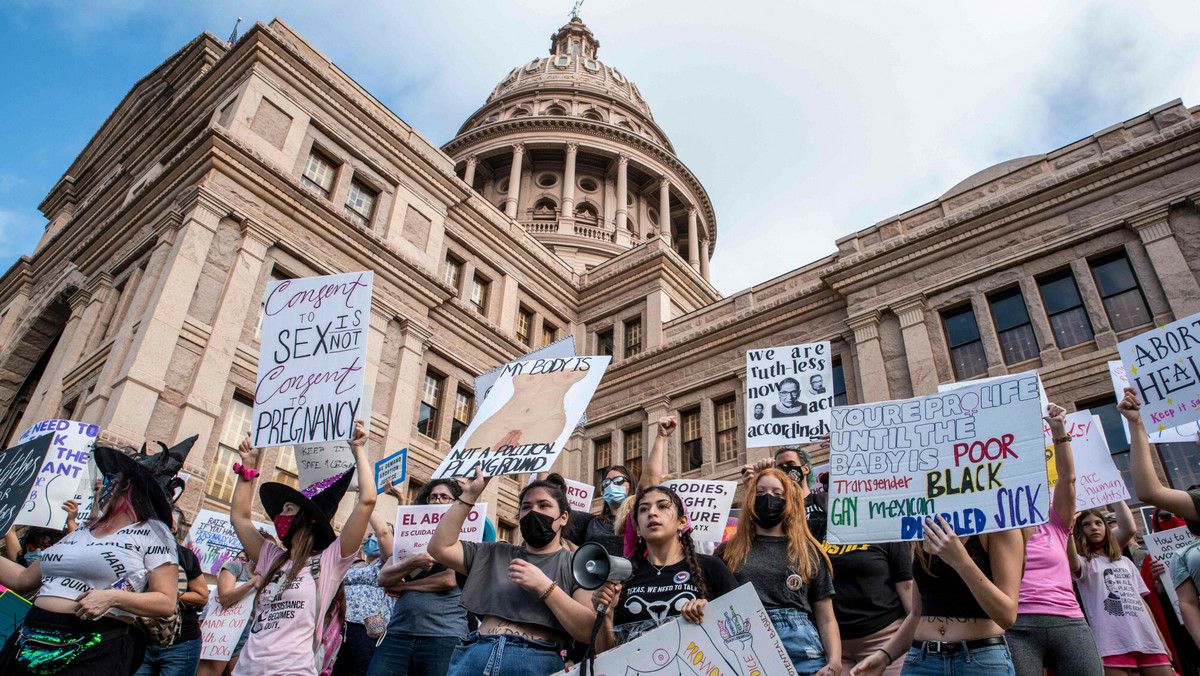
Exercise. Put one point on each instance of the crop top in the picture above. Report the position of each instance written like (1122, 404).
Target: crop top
(943, 591)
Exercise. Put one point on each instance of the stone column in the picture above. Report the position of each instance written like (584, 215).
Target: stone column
(414, 338)
(658, 312)
(693, 240)
(917, 349)
(48, 395)
(514, 180)
(469, 172)
(704, 259)
(1090, 295)
(622, 193)
(1042, 330)
(1176, 278)
(871, 369)
(205, 396)
(664, 211)
(14, 310)
(566, 212)
(988, 336)
(102, 288)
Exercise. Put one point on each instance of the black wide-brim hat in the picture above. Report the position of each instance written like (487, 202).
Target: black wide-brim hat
(319, 502)
(157, 470)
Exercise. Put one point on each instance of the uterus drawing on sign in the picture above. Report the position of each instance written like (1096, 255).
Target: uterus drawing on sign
(534, 414)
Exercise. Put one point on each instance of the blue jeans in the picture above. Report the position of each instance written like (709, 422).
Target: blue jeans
(181, 659)
(993, 660)
(800, 639)
(504, 655)
(406, 655)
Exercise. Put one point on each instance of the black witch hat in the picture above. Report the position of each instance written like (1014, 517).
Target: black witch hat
(319, 502)
(158, 470)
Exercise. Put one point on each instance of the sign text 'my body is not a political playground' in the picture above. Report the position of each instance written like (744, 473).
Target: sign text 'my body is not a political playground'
(974, 455)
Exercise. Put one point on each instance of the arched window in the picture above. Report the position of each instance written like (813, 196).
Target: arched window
(520, 112)
(591, 114)
(587, 212)
(545, 208)
(556, 110)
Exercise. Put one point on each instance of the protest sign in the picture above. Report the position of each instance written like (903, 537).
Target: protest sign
(579, 495)
(13, 609)
(222, 627)
(1162, 546)
(789, 393)
(1043, 400)
(1098, 482)
(214, 541)
(563, 348)
(317, 462)
(415, 525)
(974, 455)
(1163, 365)
(707, 503)
(817, 470)
(1186, 433)
(18, 473)
(735, 638)
(524, 423)
(392, 468)
(310, 366)
(63, 474)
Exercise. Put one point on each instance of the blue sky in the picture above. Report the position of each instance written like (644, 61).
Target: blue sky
(804, 121)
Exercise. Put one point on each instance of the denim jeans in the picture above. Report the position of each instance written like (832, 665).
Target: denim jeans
(504, 655)
(181, 659)
(992, 660)
(800, 639)
(406, 655)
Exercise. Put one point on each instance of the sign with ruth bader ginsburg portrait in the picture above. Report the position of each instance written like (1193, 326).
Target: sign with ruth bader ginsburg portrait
(789, 394)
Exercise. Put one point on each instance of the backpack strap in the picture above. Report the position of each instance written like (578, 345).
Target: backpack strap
(314, 568)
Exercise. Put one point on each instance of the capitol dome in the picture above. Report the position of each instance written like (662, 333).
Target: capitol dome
(594, 175)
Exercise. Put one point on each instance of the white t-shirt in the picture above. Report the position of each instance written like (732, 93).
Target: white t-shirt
(1112, 594)
(79, 562)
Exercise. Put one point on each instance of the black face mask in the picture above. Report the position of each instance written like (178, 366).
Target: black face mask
(796, 474)
(768, 510)
(537, 529)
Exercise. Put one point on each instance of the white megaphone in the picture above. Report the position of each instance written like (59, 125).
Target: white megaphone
(592, 566)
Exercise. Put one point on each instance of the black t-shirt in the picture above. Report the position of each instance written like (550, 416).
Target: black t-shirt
(190, 570)
(587, 527)
(864, 579)
(653, 596)
(814, 509)
(777, 583)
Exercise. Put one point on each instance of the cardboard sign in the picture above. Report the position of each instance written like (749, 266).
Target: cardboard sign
(707, 503)
(392, 468)
(415, 525)
(563, 348)
(1098, 482)
(579, 495)
(222, 627)
(789, 393)
(974, 455)
(1163, 365)
(63, 474)
(13, 609)
(317, 462)
(1162, 546)
(19, 467)
(310, 366)
(214, 541)
(1186, 433)
(526, 421)
(1043, 400)
(735, 639)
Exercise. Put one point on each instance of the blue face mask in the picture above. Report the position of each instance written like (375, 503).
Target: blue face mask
(614, 495)
(32, 556)
(371, 547)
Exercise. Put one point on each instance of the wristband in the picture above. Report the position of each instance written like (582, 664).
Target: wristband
(548, 590)
(469, 504)
(1063, 439)
(891, 659)
(246, 473)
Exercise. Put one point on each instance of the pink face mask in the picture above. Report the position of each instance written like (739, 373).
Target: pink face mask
(283, 524)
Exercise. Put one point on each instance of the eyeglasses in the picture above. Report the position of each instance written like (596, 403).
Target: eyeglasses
(617, 480)
(441, 498)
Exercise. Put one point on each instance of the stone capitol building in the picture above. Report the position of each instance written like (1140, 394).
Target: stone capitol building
(559, 209)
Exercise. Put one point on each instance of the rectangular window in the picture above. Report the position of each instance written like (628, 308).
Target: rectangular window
(693, 452)
(966, 347)
(1064, 307)
(318, 174)
(633, 451)
(725, 412)
(479, 295)
(602, 449)
(604, 343)
(525, 326)
(452, 272)
(414, 487)
(1017, 341)
(221, 478)
(286, 471)
(431, 402)
(1181, 462)
(464, 405)
(360, 203)
(549, 333)
(1118, 286)
(277, 275)
(633, 337)
(507, 532)
(1114, 431)
(839, 383)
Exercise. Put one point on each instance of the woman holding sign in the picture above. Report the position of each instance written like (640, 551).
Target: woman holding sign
(528, 599)
(295, 630)
(773, 549)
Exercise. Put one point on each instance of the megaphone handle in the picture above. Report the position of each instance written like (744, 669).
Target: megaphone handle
(601, 609)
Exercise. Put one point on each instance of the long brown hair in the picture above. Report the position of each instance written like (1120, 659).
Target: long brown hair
(298, 547)
(1084, 548)
(804, 551)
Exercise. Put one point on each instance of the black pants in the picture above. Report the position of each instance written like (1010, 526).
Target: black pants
(119, 656)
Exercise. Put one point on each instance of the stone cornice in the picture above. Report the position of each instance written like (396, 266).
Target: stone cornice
(911, 311)
(1152, 225)
(865, 325)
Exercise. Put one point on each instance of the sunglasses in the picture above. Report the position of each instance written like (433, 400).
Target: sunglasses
(617, 480)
